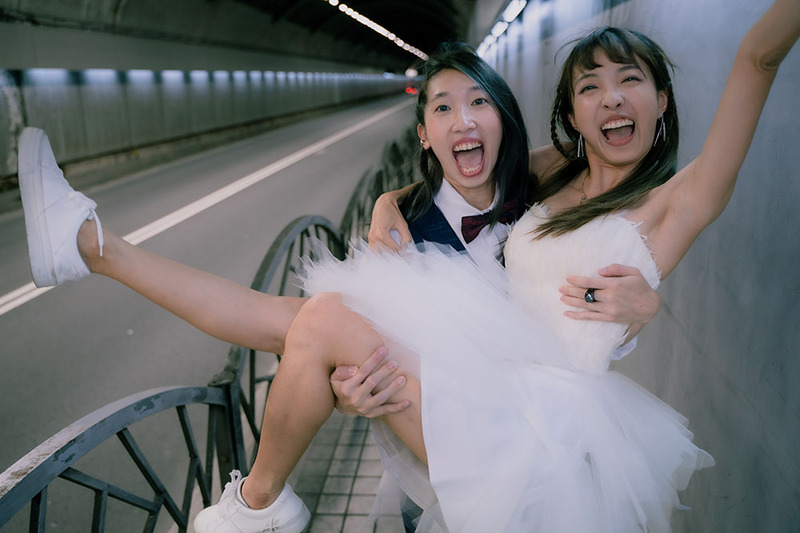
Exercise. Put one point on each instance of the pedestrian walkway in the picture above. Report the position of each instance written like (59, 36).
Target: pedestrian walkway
(338, 478)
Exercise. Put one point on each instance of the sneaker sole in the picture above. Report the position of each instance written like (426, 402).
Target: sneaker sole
(31, 191)
(301, 521)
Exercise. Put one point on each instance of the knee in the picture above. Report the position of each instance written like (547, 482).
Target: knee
(325, 325)
(316, 319)
(320, 309)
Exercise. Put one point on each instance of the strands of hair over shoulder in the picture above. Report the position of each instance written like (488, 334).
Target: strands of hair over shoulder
(658, 165)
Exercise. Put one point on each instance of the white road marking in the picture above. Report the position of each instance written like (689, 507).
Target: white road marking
(28, 292)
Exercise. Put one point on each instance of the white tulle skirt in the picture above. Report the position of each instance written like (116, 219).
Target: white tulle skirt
(516, 440)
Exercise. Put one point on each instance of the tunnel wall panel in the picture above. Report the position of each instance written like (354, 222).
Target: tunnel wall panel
(96, 112)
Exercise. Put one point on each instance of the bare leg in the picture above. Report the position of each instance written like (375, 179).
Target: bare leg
(215, 305)
(324, 335)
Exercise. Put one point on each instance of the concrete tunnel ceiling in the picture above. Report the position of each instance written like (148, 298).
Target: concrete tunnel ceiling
(301, 28)
(422, 24)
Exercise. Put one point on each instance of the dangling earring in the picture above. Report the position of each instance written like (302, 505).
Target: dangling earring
(662, 131)
(581, 148)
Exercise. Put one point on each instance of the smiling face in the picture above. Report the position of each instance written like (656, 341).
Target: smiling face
(464, 130)
(615, 106)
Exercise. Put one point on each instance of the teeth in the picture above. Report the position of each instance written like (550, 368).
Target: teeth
(467, 146)
(617, 124)
(471, 170)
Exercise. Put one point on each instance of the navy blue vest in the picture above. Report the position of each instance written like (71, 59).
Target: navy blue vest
(432, 226)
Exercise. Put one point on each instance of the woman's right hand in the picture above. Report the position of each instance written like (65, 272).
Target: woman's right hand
(367, 390)
(388, 229)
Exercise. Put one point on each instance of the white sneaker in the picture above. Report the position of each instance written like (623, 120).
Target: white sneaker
(287, 514)
(53, 213)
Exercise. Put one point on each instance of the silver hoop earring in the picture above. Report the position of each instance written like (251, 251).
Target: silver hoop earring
(662, 131)
(581, 147)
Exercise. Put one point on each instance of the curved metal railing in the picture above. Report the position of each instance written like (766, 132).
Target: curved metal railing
(29, 478)
(397, 169)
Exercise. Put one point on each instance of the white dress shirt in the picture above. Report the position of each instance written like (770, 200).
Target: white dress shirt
(488, 245)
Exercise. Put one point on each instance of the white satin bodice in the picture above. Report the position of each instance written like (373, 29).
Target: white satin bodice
(538, 267)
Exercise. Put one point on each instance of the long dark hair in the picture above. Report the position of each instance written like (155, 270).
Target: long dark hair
(511, 170)
(659, 164)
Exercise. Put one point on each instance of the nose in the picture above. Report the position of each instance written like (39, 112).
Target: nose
(612, 98)
(465, 119)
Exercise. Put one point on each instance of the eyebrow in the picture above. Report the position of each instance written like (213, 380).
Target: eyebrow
(442, 94)
(623, 68)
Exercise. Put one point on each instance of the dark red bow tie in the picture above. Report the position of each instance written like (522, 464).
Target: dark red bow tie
(473, 224)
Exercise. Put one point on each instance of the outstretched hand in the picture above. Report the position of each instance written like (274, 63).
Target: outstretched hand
(365, 390)
(621, 295)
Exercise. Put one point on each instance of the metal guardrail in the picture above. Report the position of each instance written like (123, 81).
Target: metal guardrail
(29, 478)
(397, 170)
(229, 397)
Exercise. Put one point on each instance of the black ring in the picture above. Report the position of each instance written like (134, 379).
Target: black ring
(589, 296)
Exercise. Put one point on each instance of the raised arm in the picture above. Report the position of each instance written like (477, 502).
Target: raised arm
(699, 192)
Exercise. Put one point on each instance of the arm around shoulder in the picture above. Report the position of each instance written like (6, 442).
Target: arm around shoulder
(544, 161)
(387, 218)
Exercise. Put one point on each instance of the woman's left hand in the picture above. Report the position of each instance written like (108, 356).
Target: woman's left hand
(621, 294)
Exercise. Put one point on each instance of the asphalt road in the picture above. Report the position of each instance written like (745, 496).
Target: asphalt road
(81, 346)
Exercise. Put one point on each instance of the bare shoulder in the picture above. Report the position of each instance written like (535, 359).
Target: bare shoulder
(544, 161)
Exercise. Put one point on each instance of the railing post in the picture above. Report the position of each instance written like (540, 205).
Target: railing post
(38, 512)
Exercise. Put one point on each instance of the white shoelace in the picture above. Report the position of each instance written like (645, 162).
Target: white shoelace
(228, 500)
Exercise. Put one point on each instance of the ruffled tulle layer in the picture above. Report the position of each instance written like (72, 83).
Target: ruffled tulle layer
(516, 439)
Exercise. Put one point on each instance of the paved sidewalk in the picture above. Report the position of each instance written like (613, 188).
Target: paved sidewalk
(338, 477)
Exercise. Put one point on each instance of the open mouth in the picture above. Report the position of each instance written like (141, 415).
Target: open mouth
(618, 131)
(469, 157)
